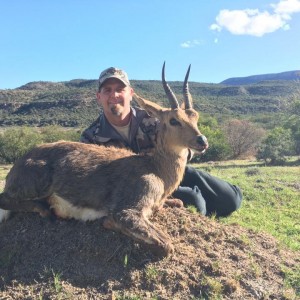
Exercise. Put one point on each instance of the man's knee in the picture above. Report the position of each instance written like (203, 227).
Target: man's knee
(238, 198)
(231, 203)
(191, 196)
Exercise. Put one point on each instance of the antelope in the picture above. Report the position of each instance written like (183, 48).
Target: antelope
(124, 189)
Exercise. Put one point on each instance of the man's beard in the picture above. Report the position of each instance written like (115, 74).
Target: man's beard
(117, 109)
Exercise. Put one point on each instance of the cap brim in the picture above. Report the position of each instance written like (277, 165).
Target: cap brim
(126, 83)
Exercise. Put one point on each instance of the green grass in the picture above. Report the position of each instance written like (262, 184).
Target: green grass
(3, 171)
(270, 198)
(271, 203)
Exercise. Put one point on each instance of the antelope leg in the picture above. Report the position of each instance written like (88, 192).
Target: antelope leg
(133, 224)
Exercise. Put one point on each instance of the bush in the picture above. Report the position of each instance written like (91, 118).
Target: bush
(52, 134)
(243, 137)
(218, 149)
(291, 119)
(293, 123)
(15, 142)
(276, 146)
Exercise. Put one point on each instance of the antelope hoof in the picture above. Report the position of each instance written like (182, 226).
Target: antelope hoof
(43, 210)
(161, 250)
(45, 213)
(174, 202)
(108, 223)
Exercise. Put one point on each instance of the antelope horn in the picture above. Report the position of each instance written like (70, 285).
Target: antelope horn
(188, 101)
(171, 96)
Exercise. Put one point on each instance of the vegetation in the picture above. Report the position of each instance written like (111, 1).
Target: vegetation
(234, 139)
(15, 142)
(219, 148)
(270, 197)
(73, 103)
(243, 137)
(284, 138)
(234, 118)
(276, 147)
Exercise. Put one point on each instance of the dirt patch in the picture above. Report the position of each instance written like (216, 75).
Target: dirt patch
(43, 259)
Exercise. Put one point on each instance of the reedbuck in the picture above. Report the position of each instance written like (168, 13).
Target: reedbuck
(87, 182)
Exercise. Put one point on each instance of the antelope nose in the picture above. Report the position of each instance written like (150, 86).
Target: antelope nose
(202, 140)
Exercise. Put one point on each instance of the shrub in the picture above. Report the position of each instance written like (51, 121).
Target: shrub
(252, 171)
(276, 146)
(243, 137)
(50, 134)
(218, 149)
(15, 142)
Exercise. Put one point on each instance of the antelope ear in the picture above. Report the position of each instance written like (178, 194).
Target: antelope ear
(150, 107)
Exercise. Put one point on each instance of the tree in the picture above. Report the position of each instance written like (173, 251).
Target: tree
(276, 146)
(218, 147)
(243, 137)
(293, 123)
(291, 106)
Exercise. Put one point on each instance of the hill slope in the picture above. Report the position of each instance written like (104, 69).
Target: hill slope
(73, 103)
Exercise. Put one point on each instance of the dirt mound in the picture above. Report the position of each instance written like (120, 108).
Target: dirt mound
(43, 259)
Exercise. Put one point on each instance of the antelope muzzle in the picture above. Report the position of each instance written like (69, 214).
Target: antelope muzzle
(202, 143)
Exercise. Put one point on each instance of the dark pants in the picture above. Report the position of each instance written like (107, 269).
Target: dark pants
(209, 194)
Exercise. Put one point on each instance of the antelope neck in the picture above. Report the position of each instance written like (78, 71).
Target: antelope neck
(171, 168)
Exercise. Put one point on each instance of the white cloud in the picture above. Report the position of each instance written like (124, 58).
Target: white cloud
(287, 7)
(254, 22)
(185, 44)
(190, 44)
(215, 27)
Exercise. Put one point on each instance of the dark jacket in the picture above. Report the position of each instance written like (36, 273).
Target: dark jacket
(142, 132)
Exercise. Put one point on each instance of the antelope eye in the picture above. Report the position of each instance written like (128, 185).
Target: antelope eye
(174, 122)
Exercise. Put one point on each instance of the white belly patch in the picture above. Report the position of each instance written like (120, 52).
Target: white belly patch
(65, 210)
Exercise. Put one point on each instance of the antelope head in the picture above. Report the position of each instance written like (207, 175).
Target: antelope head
(178, 129)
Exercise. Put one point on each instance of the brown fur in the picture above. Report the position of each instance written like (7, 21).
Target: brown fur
(86, 182)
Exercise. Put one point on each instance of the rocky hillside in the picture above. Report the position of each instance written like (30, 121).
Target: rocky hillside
(73, 103)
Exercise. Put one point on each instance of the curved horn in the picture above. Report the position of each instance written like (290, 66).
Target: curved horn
(188, 101)
(171, 96)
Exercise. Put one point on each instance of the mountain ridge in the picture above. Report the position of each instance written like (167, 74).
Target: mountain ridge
(252, 79)
(240, 80)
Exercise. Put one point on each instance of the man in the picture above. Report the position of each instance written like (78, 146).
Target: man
(122, 125)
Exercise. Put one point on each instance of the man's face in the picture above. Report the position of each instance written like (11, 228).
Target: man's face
(115, 98)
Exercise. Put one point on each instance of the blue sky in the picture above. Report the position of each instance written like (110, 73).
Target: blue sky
(60, 40)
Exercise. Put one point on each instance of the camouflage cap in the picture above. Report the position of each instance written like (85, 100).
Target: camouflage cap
(113, 73)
